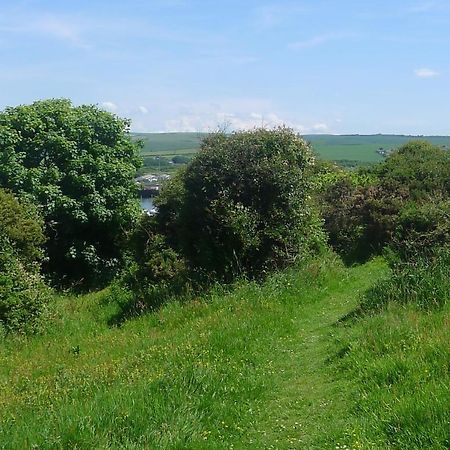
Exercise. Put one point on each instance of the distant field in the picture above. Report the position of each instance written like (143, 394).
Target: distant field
(170, 143)
(357, 149)
(363, 148)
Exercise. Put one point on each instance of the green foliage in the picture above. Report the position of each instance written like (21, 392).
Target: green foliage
(421, 167)
(154, 271)
(181, 159)
(23, 294)
(360, 221)
(243, 204)
(422, 229)
(389, 204)
(22, 227)
(77, 165)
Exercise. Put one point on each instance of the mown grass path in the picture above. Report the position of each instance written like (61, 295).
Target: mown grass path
(252, 368)
(309, 406)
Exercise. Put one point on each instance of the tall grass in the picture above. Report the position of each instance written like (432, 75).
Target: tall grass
(260, 366)
(398, 352)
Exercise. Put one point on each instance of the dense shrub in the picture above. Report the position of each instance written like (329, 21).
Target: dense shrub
(22, 227)
(243, 204)
(181, 159)
(423, 228)
(23, 295)
(360, 221)
(77, 165)
(154, 269)
(390, 204)
(420, 167)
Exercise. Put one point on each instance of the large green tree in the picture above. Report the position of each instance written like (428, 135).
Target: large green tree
(76, 164)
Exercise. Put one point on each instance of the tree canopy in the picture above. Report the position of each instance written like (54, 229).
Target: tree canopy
(76, 164)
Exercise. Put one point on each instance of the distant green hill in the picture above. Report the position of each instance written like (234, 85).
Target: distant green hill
(364, 148)
(347, 149)
(169, 142)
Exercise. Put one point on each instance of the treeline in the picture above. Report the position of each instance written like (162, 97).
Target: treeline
(247, 204)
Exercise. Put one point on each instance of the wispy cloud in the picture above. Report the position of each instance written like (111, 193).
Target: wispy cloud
(220, 116)
(424, 7)
(109, 106)
(425, 73)
(321, 39)
(275, 14)
(59, 27)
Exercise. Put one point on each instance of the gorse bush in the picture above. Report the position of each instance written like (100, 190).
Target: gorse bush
(22, 227)
(154, 270)
(361, 220)
(77, 165)
(23, 294)
(401, 203)
(420, 167)
(423, 228)
(243, 204)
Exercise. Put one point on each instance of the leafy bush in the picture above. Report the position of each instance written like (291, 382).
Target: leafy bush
(155, 268)
(360, 221)
(77, 165)
(23, 294)
(423, 228)
(181, 159)
(388, 204)
(22, 227)
(153, 273)
(420, 167)
(243, 204)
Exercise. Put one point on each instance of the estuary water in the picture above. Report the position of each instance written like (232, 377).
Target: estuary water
(147, 204)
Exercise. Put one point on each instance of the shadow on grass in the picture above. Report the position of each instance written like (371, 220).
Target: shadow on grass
(131, 305)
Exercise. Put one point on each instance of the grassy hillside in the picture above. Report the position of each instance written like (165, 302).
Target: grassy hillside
(170, 142)
(363, 148)
(262, 366)
(350, 148)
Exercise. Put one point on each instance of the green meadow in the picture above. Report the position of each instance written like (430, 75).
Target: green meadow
(278, 365)
(353, 149)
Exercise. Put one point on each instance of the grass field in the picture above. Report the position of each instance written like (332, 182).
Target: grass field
(263, 366)
(352, 148)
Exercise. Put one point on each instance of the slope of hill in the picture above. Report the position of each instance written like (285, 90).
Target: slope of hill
(262, 366)
(160, 148)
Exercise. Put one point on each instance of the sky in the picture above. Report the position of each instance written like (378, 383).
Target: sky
(341, 67)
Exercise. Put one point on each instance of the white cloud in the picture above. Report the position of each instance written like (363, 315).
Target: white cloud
(321, 39)
(58, 27)
(272, 15)
(241, 113)
(143, 109)
(320, 127)
(109, 106)
(238, 121)
(422, 7)
(426, 73)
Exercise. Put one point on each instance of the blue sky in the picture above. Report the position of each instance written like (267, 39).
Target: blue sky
(189, 65)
